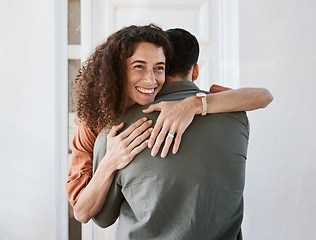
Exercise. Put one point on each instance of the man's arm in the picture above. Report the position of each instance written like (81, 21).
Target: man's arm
(111, 207)
(176, 116)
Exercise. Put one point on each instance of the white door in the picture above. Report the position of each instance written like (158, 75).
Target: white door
(213, 22)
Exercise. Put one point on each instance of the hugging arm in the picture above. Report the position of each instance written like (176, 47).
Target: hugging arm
(121, 149)
(176, 116)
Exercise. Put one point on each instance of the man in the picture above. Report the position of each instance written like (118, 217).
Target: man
(194, 194)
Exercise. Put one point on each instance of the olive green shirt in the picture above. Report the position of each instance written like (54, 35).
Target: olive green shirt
(195, 194)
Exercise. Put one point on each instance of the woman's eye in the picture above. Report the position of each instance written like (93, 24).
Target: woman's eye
(138, 66)
(160, 68)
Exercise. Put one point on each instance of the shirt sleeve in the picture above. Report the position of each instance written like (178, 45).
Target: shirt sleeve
(218, 88)
(112, 206)
(80, 170)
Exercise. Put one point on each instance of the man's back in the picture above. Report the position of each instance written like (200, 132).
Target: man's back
(194, 194)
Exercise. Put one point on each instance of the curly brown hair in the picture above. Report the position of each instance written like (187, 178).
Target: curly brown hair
(99, 91)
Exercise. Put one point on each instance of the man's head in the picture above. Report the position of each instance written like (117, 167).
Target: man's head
(186, 53)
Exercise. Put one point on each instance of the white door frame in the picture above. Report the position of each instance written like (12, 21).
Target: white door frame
(61, 121)
(229, 42)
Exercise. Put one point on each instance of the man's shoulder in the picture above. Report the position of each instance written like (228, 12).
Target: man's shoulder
(237, 116)
(225, 118)
(213, 125)
(99, 148)
(134, 113)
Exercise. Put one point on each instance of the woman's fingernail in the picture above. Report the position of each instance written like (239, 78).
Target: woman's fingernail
(153, 153)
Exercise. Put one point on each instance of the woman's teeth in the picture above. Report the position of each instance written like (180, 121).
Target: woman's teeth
(145, 90)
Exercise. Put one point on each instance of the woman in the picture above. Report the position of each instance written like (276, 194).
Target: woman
(102, 93)
(128, 68)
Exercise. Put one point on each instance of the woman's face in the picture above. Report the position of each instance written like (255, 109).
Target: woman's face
(145, 72)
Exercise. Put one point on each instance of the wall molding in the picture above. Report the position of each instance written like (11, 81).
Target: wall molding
(229, 43)
(87, 29)
(61, 118)
(200, 7)
(74, 52)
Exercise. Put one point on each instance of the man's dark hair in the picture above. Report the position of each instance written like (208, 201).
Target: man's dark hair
(186, 52)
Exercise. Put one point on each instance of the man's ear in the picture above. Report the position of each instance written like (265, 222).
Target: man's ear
(195, 72)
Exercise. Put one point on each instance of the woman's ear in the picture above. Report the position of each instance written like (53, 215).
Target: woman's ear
(195, 72)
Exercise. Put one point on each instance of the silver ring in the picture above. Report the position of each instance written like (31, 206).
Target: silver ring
(171, 135)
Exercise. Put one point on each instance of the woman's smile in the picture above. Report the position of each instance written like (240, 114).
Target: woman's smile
(145, 90)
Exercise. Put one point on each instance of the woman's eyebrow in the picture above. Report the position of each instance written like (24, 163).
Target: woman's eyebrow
(138, 61)
(144, 62)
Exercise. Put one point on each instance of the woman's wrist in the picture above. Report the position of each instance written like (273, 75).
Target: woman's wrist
(106, 167)
(194, 104)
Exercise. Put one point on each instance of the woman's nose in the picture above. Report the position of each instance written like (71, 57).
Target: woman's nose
(150, 76)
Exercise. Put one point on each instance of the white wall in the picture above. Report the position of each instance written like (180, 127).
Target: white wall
(29, 147)
(278, 51)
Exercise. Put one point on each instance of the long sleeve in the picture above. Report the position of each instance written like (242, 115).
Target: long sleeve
(80, 170)
(218, 88)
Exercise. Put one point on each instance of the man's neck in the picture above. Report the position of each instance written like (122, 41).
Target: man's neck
(176, 78)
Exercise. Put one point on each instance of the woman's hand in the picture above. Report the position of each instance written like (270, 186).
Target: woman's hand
(175, 117)
(173, 120)
(122, 148)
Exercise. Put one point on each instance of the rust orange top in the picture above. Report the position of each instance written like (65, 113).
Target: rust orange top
(80, 170)
(217, 88)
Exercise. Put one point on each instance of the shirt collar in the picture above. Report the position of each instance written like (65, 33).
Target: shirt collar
(177, 86)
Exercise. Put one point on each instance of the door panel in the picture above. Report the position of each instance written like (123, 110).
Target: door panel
(200, 17)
